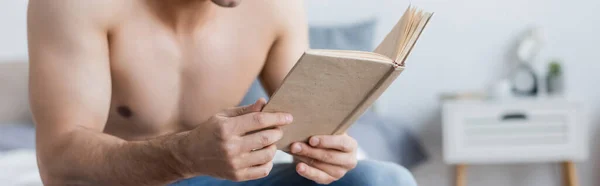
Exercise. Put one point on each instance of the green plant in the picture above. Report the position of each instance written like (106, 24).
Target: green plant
(554, 67)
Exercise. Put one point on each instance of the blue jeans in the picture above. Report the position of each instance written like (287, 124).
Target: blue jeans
(366, 173)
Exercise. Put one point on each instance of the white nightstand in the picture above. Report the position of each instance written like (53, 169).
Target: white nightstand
(520, 131)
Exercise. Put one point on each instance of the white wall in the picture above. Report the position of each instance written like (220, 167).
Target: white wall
(464, 48)
(13, 30)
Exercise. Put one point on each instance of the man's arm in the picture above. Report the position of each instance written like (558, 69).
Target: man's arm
(325, 158)
(70, 94)
(291, 42)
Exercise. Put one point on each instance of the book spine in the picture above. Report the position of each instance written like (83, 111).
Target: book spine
(379, 88)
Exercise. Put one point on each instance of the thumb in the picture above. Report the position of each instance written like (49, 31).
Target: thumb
(255, 107)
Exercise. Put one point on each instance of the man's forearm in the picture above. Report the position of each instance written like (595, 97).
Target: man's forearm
(91, 157)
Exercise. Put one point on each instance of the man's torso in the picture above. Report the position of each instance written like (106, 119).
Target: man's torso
(165, 81)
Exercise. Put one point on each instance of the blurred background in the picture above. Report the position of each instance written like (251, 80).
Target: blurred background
(476, 58)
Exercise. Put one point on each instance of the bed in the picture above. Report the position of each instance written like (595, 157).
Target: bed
(17, 155)
(17, 147)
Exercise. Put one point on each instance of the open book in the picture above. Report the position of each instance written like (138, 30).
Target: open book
(328, 90)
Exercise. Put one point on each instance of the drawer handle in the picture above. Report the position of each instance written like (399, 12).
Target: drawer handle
(514, 116)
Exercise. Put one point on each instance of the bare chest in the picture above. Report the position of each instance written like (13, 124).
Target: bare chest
(164, 83)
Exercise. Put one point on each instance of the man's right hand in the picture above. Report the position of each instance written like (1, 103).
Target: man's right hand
(236, 144)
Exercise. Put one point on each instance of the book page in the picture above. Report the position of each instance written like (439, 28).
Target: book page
(388, 47)
(399, 42)
(351, 54)
(419, 24)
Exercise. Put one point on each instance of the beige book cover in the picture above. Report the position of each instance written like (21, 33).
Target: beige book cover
(328, 90)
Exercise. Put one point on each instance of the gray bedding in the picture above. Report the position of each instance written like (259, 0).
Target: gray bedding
(13, 136)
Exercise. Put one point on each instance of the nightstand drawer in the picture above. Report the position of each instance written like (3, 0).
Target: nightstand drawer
(488, 132)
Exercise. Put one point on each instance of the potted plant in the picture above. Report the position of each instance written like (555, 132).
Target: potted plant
(554, 78)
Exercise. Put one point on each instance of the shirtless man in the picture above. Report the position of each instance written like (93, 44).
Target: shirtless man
(143, 92)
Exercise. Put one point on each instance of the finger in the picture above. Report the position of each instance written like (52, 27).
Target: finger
(342, 143)
(261, 139)
(314, 174)
(261, 120)
(237, 111)
(258, 157)
(334, 171)
(327, 156)
(256, 172)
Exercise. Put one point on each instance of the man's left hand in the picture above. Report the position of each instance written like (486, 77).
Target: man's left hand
(325, 158)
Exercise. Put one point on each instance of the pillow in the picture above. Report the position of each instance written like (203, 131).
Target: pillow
(388, 140)
(357, 36)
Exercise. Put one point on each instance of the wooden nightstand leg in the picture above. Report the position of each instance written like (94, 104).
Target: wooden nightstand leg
(461, 175)
(569, 174)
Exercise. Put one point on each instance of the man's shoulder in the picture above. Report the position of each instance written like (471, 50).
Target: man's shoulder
(281, 14)
(96, 12)
(279, 9)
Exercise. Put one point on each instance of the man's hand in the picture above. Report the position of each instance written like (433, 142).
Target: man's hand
(236, 144)
(326, 158)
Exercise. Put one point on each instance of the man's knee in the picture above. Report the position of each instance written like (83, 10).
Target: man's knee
(370, 172)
